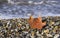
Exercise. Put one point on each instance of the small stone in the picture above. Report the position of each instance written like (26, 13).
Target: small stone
(32, 37)
(12, 30)
(25, 32)
(19, 25)
(27, 26)
(54, 31)
(53, 23)
(56, 36)
(16, 30)
(37, 33)
(32, 33)
(59, 36)
(8, 22)
(52, 27)
(57, 23)
(46, 31)
(56, 27)
(49, 35)
(1, 24)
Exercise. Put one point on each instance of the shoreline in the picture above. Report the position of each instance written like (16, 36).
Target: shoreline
(26, 17)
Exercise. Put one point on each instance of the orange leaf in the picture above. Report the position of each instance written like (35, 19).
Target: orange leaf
(36, 23)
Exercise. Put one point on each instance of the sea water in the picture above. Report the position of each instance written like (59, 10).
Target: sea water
(41, 8)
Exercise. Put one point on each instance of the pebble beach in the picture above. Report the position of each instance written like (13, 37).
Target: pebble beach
(20, 28)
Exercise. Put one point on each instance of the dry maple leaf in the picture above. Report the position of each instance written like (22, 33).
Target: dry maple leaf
(36, 23)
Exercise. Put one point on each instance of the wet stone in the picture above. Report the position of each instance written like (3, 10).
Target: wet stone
(1, 24)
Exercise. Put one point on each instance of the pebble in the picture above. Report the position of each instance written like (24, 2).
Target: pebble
(49, 35)
(37, 33)
(53, 22)
(25, 32)
(27, 26)
(32, 33)
(14, 28)
(56, 36)
(57, 23)
(46, 31)
(59, 36)
(1, 24)
(19, 25)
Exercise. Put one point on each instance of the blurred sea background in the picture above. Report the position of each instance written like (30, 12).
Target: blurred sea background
(24, 8)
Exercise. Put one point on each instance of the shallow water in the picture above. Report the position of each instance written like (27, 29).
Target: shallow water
(8, 11)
